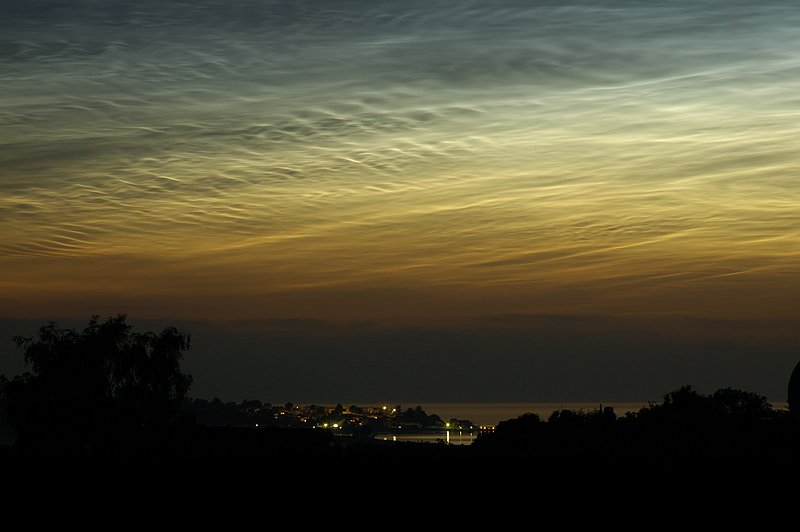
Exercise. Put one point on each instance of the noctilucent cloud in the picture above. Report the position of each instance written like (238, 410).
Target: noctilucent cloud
(406, 164)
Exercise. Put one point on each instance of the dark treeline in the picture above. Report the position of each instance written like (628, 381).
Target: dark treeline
(728, 424)
(110, 393)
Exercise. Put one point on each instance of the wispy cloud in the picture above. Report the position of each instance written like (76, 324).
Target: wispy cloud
(569, 156)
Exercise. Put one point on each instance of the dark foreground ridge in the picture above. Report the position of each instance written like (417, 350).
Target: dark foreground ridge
(107, 394)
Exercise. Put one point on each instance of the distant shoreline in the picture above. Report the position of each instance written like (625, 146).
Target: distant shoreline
(492, 413)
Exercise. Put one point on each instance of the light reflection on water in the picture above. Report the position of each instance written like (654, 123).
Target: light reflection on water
(453, 437)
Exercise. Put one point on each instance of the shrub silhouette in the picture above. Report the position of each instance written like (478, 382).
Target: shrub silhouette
(97, 391)
(794, 392)
(728, 424)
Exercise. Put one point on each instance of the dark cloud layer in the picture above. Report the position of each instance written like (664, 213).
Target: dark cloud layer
(503, 359)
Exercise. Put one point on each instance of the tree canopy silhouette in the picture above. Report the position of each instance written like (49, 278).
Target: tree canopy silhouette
(794, 392)
(98, 388)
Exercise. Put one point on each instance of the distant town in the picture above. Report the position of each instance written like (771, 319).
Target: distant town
(353, 420)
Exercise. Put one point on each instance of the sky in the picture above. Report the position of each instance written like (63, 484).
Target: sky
(422, 200)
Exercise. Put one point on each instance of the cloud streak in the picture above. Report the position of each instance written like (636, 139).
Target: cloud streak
(553, 157)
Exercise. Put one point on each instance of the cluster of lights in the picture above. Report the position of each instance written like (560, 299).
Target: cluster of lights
(385, 409)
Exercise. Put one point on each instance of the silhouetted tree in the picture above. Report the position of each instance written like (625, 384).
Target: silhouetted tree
(518, 436)
(741, 404)
(88, 392)
(794, 392)
(3, 408)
